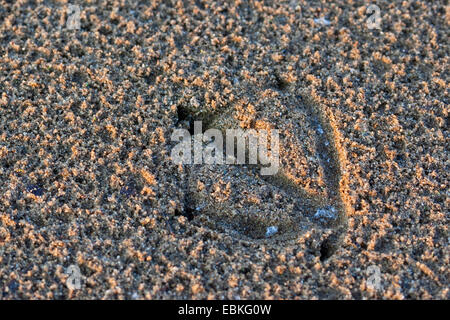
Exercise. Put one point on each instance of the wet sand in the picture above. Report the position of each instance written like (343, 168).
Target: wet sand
(87, 178)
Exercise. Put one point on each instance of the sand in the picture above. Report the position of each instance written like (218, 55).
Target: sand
(87, 178)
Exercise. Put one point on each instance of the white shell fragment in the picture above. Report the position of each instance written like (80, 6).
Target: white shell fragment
(322, 21)
(327, 213)
(271, 231)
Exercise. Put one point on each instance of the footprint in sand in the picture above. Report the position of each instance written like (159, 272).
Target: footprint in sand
(307, 192)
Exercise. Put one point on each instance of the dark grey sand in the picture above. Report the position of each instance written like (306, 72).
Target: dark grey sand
(86, 177)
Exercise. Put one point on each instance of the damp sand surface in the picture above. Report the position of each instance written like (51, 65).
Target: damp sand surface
(86, 176)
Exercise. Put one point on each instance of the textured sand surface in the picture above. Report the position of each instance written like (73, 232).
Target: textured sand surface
(87, 179)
